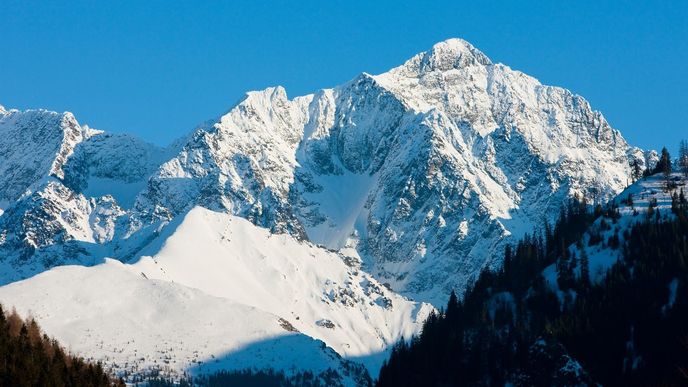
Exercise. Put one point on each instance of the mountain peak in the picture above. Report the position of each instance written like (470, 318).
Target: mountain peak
(447, 55)
(273, 92)
(453, 54)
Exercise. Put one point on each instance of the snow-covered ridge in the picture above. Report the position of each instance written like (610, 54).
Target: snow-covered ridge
(134, 325)
(226, 293)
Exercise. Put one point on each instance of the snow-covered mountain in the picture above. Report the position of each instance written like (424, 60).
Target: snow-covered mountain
(407, 182)
(312, 307)
(64, 189)
(424, 171)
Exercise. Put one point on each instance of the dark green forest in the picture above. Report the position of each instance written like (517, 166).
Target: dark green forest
(629, 329)
(251, 378)
(30, 358)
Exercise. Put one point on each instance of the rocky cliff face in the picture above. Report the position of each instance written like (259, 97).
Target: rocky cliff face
(65, 189)
(424, 172)
(34, 145)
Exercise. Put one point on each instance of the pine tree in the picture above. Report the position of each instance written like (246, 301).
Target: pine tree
(452, 307)
(683, 157)
(564, 269)
(636, 170)
(585, 269)
(664, 163)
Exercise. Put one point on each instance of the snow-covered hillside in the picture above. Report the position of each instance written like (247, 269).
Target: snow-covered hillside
(225, 293)
(112, 314)
(647, 197)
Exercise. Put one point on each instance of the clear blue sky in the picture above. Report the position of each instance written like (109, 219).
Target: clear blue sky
(159, 68)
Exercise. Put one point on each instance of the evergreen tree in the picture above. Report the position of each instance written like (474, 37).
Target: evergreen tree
(584, 270)
(452, 307)
(636, 170)
(683, 157)
(664, 163)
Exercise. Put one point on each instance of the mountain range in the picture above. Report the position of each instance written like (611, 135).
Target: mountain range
(323, 228)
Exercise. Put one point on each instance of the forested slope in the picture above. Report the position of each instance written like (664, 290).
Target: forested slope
(561, 312)
(30, 358)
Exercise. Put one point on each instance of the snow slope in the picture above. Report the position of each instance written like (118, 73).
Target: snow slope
(227, 256)
(214, 276)
(644, 193)
(112, 314)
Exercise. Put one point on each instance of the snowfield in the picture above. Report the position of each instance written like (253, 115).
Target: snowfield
(221, 293)
(132, 324)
